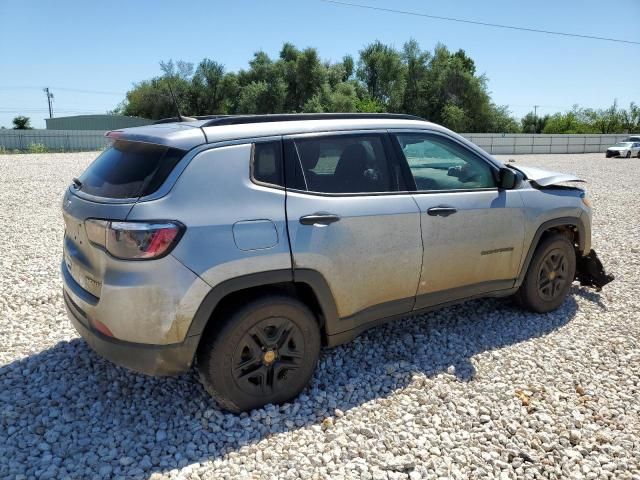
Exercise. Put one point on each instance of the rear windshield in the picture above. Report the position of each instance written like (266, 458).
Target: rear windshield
(129, 170)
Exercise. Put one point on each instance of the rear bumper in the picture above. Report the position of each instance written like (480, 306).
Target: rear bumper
(171, 359)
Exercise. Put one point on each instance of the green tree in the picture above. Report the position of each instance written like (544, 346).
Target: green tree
(454, 117)
(179, 69)
(22, 123)
(630, 119)
(211, 90)
(501, 120)
(607, 120)
(151, 99)
(532, 123)
(573, 121)
(289, 59)
(348, 66)
(343, 98)
(467, 63)
(262, 97)
(381, 69)
(438, 85)
(417, 68)
(310, 75)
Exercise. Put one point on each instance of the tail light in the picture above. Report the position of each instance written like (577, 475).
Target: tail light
(134, 240)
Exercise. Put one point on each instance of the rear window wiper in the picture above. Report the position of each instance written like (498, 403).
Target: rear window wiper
(77, 183)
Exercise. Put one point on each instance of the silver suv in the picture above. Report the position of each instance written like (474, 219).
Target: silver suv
(245, 243)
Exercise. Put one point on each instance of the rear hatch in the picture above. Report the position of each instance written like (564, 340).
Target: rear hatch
(107, 190)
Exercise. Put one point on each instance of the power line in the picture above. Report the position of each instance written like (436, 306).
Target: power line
(475, 22)
(98, 92)
(59, 110)
(15, 108)
(66, 106)
(74, 90)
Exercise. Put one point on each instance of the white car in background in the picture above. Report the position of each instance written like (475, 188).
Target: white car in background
(624, 149)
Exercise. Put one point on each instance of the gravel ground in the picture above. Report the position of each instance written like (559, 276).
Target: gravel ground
(480, 390)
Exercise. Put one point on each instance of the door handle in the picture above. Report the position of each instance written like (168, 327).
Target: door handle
(441, 211)
(320, 217)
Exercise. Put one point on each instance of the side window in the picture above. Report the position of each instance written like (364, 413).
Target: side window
(267, 163)
(345, 164)
(441, 164)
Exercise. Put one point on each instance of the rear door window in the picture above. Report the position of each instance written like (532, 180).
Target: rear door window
(129, 170)
(344, 164)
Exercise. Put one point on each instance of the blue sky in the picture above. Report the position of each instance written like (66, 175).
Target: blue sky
(90, 53)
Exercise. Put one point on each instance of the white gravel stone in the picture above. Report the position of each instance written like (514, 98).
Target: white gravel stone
(481, 390)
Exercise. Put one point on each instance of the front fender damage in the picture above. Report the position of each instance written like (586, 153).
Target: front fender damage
(590, 272)
(546, 178)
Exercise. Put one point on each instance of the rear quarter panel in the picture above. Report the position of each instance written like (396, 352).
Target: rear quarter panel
(213, 194)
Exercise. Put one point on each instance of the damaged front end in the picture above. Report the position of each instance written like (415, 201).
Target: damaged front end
(589, 269)
(590, 272)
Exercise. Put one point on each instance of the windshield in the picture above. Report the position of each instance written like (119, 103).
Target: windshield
(129, 170)
(622, 144)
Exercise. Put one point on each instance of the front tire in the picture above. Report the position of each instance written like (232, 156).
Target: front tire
(550, 274)
(264, 352)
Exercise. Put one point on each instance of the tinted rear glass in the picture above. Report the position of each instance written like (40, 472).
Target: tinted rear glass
(267, 163)
(345, 164)
(129, 170)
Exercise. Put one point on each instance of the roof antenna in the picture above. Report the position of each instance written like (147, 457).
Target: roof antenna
(175, 103)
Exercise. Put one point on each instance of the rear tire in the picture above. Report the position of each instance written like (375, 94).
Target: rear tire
(264, 352)
(549, 276)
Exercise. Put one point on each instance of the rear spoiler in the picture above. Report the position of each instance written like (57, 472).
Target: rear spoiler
(175, 135)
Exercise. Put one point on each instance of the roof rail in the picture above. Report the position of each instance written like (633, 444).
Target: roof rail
(291, 117)
(194, 117)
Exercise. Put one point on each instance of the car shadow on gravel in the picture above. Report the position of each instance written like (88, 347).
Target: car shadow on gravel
(590, 295)
(67, 411)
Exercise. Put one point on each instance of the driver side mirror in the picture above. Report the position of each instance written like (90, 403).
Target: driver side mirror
(509, 179)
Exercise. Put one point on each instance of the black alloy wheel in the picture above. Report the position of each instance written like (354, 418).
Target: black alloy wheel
(267, 356)
(552, 276)
(549, 276)
(259, 352)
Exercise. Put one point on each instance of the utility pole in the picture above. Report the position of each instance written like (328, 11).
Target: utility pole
(49, 100)
(535, 118)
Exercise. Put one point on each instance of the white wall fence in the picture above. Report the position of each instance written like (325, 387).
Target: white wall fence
(53, 140)
(506, 144)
